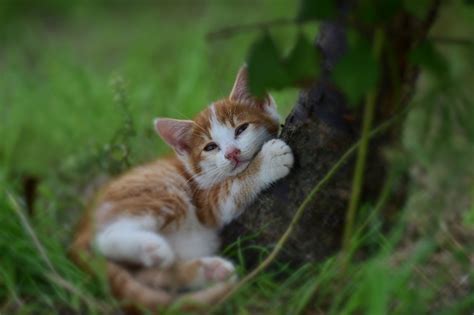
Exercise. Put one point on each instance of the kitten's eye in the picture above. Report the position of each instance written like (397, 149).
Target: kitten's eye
(210, 146)
(241, 129)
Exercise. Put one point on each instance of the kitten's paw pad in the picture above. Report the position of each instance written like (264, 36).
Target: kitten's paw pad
(278, 159)
(218, 269)
(156, 253)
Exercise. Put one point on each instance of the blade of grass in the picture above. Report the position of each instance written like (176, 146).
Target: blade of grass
(53, 275)
(29, 230)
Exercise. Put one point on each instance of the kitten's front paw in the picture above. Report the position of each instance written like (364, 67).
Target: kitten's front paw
(156, 252)
(277, 160)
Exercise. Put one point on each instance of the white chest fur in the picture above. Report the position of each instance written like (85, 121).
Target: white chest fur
(193, 240)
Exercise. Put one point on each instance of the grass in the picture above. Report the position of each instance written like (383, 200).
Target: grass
(79, 90)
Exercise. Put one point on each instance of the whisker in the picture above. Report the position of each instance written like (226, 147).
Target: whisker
(210, 172)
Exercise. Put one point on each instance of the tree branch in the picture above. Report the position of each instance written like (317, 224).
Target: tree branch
(230, 31)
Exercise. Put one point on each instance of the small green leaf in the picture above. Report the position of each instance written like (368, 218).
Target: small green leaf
(418, 8)
(303, 61)
(427, 56)
(315, 10)
(357, 71)
(265, 66)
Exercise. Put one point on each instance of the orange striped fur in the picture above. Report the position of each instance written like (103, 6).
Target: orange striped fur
(157, 225)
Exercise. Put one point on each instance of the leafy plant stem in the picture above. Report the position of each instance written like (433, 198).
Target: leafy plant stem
(358, 179)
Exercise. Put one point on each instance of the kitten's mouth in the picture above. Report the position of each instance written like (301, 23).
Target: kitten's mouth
(239, 163)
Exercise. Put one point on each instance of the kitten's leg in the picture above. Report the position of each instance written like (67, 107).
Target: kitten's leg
(134, 240)
(273, 162)
(191, 274)
(213, 269)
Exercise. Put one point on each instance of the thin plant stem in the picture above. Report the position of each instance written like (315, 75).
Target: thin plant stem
(358, 179)
(382, 200)
(453, 40)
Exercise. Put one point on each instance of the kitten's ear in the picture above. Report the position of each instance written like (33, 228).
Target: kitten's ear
(174, 132)
(241, 92)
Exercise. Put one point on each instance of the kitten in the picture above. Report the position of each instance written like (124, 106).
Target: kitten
(165, 216)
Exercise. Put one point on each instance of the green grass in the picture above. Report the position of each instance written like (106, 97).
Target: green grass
(78, 93)
(58, 76)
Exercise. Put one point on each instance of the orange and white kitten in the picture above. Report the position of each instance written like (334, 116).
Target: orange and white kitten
(166, 215)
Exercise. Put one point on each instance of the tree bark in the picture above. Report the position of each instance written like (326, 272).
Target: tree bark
(320, 129)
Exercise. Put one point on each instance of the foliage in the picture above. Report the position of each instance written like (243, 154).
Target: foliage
(269, 70)
(64, 124)
(357, 72)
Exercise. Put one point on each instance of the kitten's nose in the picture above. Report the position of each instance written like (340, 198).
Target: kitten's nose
(232, 154)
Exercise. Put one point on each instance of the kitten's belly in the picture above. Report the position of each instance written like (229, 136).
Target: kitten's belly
(193, 240)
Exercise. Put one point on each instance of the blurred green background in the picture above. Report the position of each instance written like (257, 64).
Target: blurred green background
(59, 59)
(80, 83)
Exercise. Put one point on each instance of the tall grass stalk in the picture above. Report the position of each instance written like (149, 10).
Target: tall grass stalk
(358, 179)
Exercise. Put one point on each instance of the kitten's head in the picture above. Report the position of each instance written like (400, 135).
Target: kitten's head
(222, 140)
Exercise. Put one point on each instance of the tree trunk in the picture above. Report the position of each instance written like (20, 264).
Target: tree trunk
(320, 129)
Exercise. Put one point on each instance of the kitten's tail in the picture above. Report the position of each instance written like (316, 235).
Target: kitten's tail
(135, 294)
(124, 286)
(127, 289)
